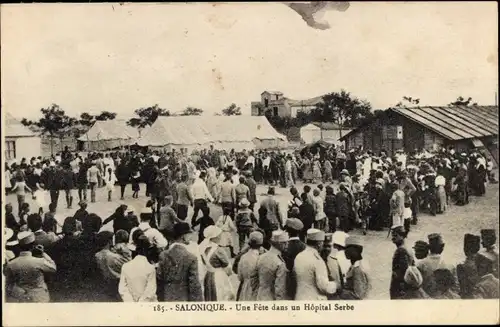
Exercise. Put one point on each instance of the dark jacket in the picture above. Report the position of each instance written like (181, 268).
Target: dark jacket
(293, 249)
(178, 275)
(401, 260)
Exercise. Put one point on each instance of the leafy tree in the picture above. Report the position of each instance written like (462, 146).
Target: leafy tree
(87, 119)
(461, 101)
(190, 111)
(343, 109)
(27, 122)
(105, 115)
(407, 102)
(147, 116)
(54, 122)
(232, 110)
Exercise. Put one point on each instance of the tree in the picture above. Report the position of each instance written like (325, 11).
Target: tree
(147, 116)
(54, 122)
(105, 115)
(407, 102)
(342, 109)
(461, 101)
(87, 119)
(232, 110)
(27, 122)
(191, 111)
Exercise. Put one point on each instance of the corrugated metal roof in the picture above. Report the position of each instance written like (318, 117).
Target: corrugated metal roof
(14, 128)
(455, 122)
(452, 122)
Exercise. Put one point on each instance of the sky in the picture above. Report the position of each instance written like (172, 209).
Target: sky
(94, 57)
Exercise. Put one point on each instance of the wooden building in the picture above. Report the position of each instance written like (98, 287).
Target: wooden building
(463, 127)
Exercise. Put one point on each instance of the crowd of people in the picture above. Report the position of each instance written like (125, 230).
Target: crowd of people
(305, 253)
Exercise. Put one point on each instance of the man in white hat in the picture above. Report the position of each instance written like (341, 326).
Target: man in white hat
(337, 263)
(271, 269)
(311, 271)
(24, 275)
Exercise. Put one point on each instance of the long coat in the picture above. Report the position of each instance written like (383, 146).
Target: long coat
(248, 276)
(293, 249)
(467, 277)
(272, 274)
(178, 275)
(312, 276)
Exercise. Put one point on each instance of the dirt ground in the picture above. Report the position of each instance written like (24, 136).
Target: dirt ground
(481, 213)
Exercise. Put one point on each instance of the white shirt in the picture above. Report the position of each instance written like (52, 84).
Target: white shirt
(250, 160)
(266, 162)
(138, 281)
(199, 190)
(154, 236)
(440, 181)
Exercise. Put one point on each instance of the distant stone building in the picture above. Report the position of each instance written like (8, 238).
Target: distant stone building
(278, 105)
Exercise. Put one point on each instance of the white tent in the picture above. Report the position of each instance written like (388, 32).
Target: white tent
(223, 132)
(109, 134)
(329, 132)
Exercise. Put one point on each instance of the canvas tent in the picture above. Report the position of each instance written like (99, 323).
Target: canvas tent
(109, 134)
(223, 132)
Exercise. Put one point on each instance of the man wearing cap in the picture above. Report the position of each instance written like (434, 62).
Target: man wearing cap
(336, 262)
(433, 262)
(245, 221)
(177, 272)
(488, 240)
(401, 260)
(294, 228)
(271, 270)
(24, 275)
(421, 250)
(358, 282)
(311, 272)
(487, 286)
(467, 271)
(168, 218)
(247, 269)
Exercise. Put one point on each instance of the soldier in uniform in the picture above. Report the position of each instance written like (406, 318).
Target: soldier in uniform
(247, 268)
(433, 262)
(358, 283)
(487, 287)
(271, 269)
(294, 227)
(488, 240)
(336, 263)
(467, 271)
(24, 275)
(311, 271)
